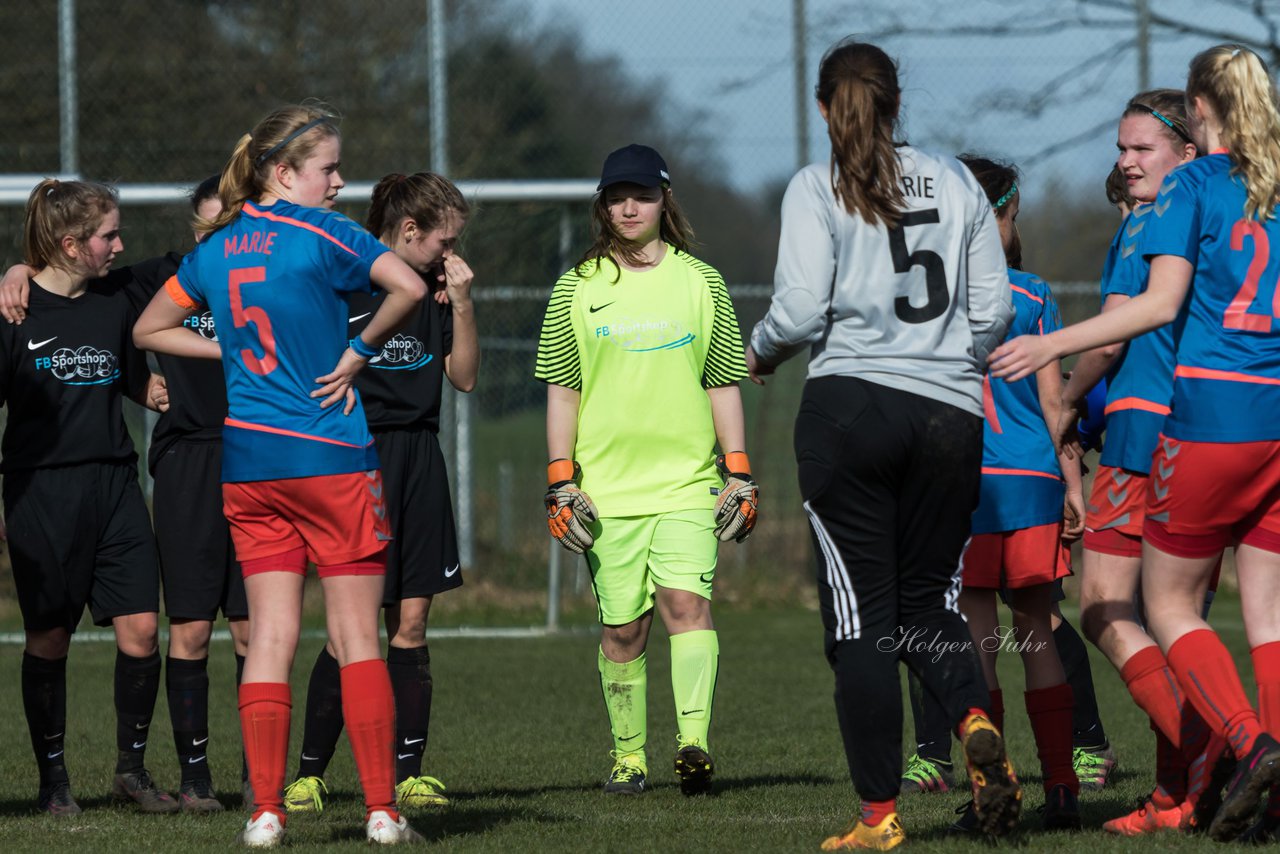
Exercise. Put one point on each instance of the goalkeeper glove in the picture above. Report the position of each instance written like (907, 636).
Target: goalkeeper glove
(736, 506)
(569, 509)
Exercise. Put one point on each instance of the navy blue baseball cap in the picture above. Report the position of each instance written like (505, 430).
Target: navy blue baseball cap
(635, 164)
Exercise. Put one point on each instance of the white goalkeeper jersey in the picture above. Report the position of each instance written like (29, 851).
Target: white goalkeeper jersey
(916, 307)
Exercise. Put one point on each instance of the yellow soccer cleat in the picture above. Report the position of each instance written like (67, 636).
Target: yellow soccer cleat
(421, 792)
(884, 836)
(997, 796)
(305, 794)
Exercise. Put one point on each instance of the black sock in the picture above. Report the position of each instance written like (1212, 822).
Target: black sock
(44, 701)
(1085, 720)
(411, 683)
(933, 730)
(187, 685)
(137, 684)
(244, 762)
(323, 723)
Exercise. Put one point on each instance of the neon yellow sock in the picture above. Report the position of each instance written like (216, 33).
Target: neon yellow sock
(624, 685)
(695, 660)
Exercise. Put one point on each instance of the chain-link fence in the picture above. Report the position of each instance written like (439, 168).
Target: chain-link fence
(158, 91)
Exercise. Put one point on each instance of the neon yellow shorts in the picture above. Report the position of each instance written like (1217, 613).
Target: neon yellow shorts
(634, 555)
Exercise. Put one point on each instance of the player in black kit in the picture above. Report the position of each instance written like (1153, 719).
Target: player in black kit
(78, 531)
(419, 216)
(197, 561)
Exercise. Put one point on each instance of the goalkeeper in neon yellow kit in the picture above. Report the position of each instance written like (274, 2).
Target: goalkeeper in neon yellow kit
(641, 354)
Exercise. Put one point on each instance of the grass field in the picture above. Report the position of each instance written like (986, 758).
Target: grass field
(519, 734)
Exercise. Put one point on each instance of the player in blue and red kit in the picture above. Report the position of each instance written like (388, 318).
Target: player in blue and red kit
(419, 217)
(300, 475)
(1017, 530)
(1152, 139)
(1216, 471)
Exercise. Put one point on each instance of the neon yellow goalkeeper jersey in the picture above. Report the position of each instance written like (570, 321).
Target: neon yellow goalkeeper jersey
(642, 351)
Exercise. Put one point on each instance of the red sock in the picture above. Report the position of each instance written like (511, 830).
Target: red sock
(1153, 687)
(874, 812)
(997, 709)
(264, 724)
(977, 713)
(369, 709)
(1050, 712)
(1266, 671)
(1171, 772)
(1207, 674)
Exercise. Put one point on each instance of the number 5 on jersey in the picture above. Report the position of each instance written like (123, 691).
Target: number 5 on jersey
(935, 272)
(244, 315)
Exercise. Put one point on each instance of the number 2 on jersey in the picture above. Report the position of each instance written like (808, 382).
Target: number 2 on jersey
(1237, 315)
(935, 272)
(244, 315)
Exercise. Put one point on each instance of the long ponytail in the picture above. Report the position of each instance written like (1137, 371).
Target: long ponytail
(289, 134)
(858, 86)
(1237, 85)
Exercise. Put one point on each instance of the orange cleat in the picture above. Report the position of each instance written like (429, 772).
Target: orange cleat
(1148, 818)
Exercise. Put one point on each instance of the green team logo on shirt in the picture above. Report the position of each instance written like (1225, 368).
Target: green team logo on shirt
(645, 336)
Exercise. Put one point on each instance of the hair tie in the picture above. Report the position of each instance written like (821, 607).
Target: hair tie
(264, 156)
(1006, 198)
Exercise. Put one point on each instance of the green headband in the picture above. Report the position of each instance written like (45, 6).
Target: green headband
(1004, 200)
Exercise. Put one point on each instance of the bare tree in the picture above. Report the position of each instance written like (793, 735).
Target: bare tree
(1111, 27)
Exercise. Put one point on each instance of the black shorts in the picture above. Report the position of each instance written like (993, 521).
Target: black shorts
(80, 535)
(197, 561)
(423, 557)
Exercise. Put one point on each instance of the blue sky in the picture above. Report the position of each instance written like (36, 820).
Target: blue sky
(728, 64)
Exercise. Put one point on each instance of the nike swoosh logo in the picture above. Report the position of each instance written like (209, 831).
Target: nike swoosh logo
(691, 711)
(138, 745)
(450, 573)
(36, 345)
(309, 758)
(409, 741)
(630, 737)
(142, 726)
(192, 760)
(593, 309)
(359, 317)
(404, 755)
(199, 741)
(54, 755)
(53, 737)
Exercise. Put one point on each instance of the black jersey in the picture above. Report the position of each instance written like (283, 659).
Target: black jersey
(401, 386)
(63, 373)
(197, 388)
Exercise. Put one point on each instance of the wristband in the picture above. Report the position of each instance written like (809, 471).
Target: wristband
(361, 349)
(562, 471)
(736, 462)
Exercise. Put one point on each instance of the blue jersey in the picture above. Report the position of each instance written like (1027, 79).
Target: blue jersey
(1140, 383)
(1227, 381)
(1021, 479)
(275, 279)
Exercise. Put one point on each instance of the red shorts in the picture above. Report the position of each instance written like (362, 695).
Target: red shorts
(1022, 558)
(1113, 521)
(335, 518)
(1203, 496)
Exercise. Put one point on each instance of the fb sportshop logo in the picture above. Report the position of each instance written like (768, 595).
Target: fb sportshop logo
(401, 353)
(202, 324)
(81, 366)
(645, 336)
